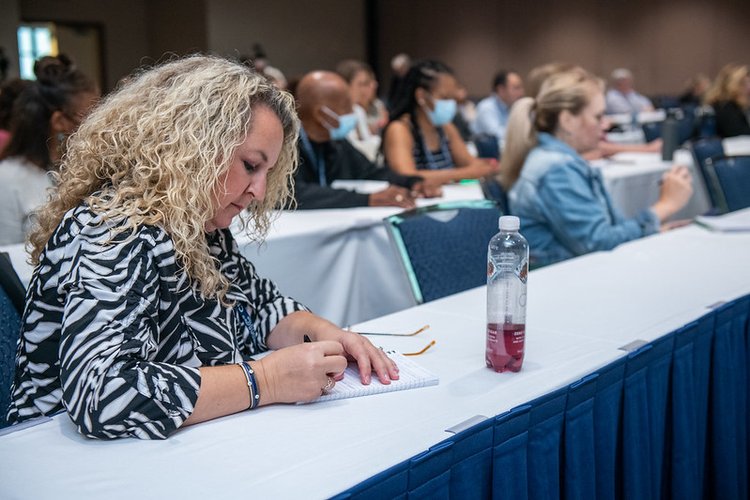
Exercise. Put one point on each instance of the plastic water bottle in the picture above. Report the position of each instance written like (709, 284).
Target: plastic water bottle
(507, 272)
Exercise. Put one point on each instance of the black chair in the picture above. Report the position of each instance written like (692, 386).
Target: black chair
(487, 146)
(11, 310)
(443, 248)
(705, 122)
(703, 150)
(730, 181)
(686, 128)
(494, 191)
(651, 131)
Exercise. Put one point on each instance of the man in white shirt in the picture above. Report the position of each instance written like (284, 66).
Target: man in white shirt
(622, 97)
(493, 111)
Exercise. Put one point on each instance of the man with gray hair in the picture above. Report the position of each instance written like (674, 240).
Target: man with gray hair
(622, 97)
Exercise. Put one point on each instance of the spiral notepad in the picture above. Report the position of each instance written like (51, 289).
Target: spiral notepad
(411, 376)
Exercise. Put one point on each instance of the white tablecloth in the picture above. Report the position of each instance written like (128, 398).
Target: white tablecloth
(579, 313)
(633, 181)
(339, 262)
(735, 146)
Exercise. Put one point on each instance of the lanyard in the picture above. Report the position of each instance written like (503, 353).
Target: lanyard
(241, 309)
(633, 107)
(431, 163)
(319, 161)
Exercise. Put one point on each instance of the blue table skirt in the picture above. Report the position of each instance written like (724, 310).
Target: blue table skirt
(669, 420)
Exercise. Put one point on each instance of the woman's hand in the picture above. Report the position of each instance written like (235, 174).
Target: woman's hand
(292, 329)
(426, 189)
(676, 190)
(481, 167)
(668, 226)
(300, 372)
(358, 348)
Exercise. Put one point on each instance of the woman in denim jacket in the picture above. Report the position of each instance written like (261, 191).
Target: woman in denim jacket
(564, 207)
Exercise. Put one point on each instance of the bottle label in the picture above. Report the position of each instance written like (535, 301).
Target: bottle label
(508, 264)
(505, 346)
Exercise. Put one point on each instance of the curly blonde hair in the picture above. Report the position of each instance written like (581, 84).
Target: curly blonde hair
(154, 151)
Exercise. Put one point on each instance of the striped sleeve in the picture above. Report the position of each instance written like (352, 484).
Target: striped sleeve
(111, 385)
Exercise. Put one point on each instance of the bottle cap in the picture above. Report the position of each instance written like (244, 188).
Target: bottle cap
(509, 223)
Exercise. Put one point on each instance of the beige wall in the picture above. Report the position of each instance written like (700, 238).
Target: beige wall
(8, 39)
(86, 45)
(298, 36)
(176, 27)
(123, 22)
(664, 42)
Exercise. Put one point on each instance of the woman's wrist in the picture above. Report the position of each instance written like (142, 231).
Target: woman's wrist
(264, 381)
(663, 210)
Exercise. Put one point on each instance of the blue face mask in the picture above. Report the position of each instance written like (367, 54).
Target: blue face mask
(445, 110)
(346, 124)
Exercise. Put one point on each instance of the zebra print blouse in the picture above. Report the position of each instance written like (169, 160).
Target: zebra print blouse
(114, 332)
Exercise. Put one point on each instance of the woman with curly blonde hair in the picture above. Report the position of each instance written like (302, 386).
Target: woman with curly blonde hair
(141, 311)
(730, 97)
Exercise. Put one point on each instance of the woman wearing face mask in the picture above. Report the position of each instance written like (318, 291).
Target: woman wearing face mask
(44, 114)
(564, 207)
(420, 138)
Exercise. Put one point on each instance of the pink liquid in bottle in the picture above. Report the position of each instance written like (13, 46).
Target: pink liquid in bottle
(505, 344)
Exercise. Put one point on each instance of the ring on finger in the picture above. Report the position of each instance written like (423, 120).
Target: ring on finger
(329, 385)
(399, 198)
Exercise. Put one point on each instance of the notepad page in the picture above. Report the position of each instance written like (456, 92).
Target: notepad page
(411, 376)
(734, 222)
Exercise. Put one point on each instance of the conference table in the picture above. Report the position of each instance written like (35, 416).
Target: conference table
(340, 262)
(633, 181)
(634, 384)
(342, 265)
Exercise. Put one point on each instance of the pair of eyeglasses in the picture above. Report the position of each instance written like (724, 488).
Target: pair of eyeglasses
(417, 353)
(422, 351)
(425, 327)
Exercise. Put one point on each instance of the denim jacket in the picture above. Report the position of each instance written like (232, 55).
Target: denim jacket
(564, 207)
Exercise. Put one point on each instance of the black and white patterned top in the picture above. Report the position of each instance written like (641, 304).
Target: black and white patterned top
(114, 332)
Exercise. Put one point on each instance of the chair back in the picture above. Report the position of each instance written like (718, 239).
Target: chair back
(494, 191)
(730, 181)
(10, 327)
(686, 127)
(487, 146)
(443, 248)
(703, 150)
(651, 131)
(705, 122)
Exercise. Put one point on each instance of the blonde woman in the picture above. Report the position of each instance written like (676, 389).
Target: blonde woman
(730, 98)
(141, 312)
(565, 209)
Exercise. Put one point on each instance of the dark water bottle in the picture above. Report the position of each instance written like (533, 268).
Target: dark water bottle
(669, 137)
